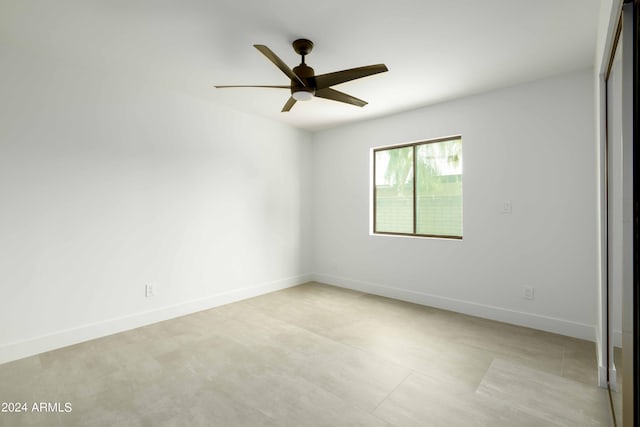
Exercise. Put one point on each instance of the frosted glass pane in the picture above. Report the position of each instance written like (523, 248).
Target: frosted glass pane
(394, 190)
(439, 188)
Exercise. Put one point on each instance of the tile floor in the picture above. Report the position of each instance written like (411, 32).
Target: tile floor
(314, 355)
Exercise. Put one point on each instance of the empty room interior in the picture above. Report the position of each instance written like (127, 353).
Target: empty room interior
(438, 236)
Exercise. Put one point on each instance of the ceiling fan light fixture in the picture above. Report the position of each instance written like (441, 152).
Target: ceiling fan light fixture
(302, 95)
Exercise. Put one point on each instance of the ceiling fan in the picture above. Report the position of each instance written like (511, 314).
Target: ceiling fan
(305, 84)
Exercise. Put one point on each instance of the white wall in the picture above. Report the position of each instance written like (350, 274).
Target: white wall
(531, 144)
(109, 182)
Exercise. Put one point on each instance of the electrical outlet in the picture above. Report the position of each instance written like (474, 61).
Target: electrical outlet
(506, 207)
(527, 293)
(148, 291)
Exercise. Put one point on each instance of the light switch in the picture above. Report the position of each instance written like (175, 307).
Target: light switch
(506, 207)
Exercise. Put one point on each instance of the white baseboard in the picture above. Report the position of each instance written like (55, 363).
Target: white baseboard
(613, 379)
(602, 376)
(535, 321)
(32, 346)
(604, 373)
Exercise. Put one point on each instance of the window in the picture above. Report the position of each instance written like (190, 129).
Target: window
(417, 189)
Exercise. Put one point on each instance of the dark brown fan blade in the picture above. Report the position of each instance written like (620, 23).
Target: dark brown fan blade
(330, 79)
(288, 105)
(335, 95)
(274, 87)
(279, 63)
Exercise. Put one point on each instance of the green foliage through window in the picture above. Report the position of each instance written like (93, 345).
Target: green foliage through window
(418, 189)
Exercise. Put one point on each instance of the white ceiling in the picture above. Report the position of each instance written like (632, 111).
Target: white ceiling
(435, 50)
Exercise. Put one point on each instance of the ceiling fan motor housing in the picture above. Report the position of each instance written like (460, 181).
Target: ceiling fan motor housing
(306, 74)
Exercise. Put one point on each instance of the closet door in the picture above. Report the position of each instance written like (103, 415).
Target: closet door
(622, 239)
